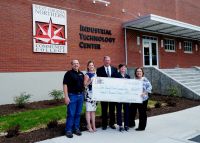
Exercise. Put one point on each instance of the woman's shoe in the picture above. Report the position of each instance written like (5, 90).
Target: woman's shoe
(121, 129)
(126, 128)
(94, 129)
(139, 129)
(89, 129)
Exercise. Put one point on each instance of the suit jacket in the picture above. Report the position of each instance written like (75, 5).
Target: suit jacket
(120, 76)
(102, 73)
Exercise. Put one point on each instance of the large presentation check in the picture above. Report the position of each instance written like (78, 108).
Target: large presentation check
(117, 90)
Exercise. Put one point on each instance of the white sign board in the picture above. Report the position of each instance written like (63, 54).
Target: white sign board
(49, 29)
(117, 90)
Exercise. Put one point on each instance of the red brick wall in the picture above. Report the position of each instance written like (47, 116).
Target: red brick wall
(165, 59)
(16, 48)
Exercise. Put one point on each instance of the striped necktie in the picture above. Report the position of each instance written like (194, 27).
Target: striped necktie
(107, 71)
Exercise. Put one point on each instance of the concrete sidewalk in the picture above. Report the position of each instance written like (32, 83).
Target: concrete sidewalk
(175, 127)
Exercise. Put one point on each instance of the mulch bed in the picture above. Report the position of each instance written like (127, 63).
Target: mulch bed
(45, 133)
(12, 108)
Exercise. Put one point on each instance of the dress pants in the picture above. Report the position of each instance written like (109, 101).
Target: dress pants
(126, 114)
(104, 111)
(142, 108)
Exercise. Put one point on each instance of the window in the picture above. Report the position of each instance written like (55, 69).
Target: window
(187, 47)
(169, 45)
(149, 37)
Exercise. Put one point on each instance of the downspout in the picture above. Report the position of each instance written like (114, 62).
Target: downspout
(125, 46)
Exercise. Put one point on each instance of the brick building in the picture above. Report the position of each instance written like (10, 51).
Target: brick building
(157, 33)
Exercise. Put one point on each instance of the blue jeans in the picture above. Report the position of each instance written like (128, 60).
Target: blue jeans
(74, 109)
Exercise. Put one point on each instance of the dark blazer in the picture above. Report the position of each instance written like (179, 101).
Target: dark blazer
(102, 73)
(120, 76)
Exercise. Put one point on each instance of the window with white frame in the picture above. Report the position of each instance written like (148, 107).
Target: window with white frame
(169, 45)
(187, 46)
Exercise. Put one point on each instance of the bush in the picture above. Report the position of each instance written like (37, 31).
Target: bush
(21, 100)
(173, 91)
(13, 131)
(52, 124)
(56, 94)
(157, 105)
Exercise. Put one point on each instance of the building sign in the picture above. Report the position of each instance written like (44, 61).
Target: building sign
(49, 29)
(91, 37)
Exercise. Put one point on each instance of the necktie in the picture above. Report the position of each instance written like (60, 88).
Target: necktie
(107, 71)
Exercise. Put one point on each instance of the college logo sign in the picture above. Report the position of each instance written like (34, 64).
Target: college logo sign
(49, 29)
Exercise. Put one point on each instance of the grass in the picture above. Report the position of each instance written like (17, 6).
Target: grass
(36, 118)
(33, 118)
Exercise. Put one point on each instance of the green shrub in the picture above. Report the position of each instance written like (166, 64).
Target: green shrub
(21, 100)
(56, 94)
(173, 91)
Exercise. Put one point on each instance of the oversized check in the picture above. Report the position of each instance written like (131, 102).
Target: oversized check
(117, 90)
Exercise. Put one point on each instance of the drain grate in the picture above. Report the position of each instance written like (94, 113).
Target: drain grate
(195, 139)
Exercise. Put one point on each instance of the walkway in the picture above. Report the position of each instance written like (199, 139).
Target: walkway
(175, 127)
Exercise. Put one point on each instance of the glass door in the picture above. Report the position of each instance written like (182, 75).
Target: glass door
(150, 56)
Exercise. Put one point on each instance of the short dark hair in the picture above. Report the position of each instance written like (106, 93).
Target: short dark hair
(72, 62)
(121, 65)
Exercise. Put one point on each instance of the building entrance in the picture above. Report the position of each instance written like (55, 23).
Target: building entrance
(150, 51)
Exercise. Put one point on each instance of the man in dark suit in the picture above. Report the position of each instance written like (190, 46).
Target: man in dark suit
(107, 71)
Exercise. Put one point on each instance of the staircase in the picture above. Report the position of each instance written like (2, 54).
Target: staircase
(184, 81)
(187, 77)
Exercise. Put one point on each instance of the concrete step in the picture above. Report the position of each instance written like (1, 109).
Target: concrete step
(194, 87)
(197, 91)
(192, 83)
(181, 70)
(189, 77)
(188, 80)
(184, 74)
(172, 71)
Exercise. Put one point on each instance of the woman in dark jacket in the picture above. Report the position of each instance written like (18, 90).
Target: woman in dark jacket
(122, 74)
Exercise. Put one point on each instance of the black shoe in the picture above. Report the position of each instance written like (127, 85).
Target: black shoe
(131, 125)
(126, 128)
(139, 129)
(69, 134)
(112, 127)
(121, 129)
(104, 128)
(77, 132)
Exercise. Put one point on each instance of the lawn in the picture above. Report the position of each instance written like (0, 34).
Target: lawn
(33, 118)
(39, 118)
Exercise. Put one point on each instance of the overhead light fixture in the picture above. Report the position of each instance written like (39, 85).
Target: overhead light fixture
(179, 45)
(102, 1)
(138, 40)
(161, 43)
(196, 47)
